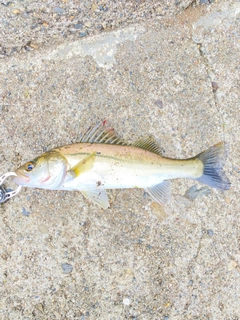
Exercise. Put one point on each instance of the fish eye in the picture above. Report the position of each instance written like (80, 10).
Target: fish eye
(30, 166)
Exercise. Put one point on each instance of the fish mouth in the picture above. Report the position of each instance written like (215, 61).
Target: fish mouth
(21, 179)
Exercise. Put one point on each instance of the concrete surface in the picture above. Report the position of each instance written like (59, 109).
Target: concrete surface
(26, 25)
(61, 257)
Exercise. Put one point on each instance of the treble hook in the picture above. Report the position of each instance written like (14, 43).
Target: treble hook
(5, 195)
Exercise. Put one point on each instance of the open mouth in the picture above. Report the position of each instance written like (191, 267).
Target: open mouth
(21, 179)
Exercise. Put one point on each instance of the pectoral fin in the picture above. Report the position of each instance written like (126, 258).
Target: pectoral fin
(98, 197)
(84, 165)
(160, 192)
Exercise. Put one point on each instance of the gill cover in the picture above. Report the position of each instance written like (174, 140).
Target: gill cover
(46, 171)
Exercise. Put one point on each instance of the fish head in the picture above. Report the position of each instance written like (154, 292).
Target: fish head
(46, 171)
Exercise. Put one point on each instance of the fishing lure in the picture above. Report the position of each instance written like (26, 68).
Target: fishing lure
(7, 194)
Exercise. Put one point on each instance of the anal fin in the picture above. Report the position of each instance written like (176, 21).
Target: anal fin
(98, 197)
(160, 192)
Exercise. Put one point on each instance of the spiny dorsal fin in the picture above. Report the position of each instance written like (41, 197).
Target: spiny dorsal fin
(148, 143)
(100, 134)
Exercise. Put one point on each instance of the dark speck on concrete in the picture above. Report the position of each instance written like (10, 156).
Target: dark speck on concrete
(210, 233)
(59, 10)
(82, 34)
(78, 26)
(190, 283)
(205, 1)
(25, 212)
(159, 103)
(214, 86)
(103, 8)
(67, 268)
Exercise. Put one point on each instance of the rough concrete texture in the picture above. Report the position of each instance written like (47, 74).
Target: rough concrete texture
(62, 257)
(26, 25)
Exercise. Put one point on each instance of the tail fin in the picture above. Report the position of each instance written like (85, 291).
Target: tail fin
(213, 161)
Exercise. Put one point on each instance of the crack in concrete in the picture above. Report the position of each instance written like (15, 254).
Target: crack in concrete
(208, 69)
(214, 85)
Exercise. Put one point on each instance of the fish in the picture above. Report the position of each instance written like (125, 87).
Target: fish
(101, 161)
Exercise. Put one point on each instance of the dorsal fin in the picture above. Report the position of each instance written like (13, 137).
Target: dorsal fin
(148, 143)
(98, 133)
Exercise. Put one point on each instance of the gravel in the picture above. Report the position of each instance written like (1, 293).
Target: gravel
(193, 192)
(25, 212)
(162, 259)
(41, 23)
(210, 233)
(67, 268)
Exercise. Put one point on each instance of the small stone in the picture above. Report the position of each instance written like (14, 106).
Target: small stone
(40, 307)
(193, 192)
(126, 301)
(34, 46)
(72, 31)
(159, 10)
(104, 25)
(183, 200)
(78, 26)
(232, 265)
(43, 229)
(177, 78)
(87, 5)
(159, 103)
(210, 233)
(214, 86)
(64, 221)
(99, 27)
(16, 11)
(105, 9)
(227, 200)
(88, 24)
(67, 268)
(83, 34)
(59, 10)
(157, 209)
(94, 7)
(25, 212)
(190, 282)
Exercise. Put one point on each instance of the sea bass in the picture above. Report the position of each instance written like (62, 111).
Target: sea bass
(101, 161)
